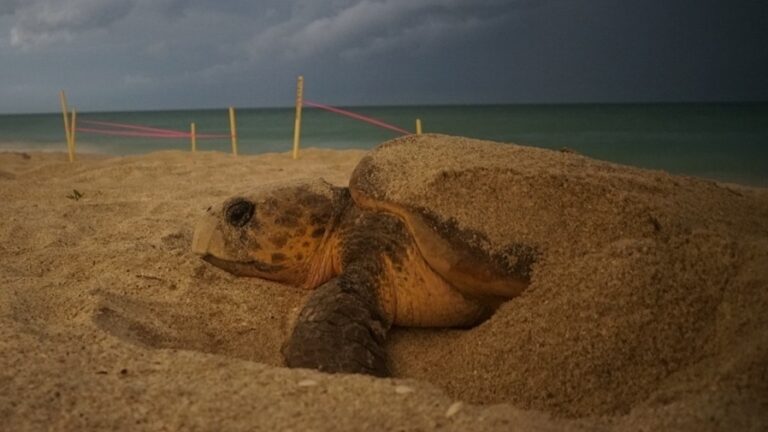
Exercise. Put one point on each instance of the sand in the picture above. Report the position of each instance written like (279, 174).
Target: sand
(109, 322)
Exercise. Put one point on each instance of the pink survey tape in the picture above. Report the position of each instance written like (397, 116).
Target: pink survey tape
(129, 130)
(360, 117)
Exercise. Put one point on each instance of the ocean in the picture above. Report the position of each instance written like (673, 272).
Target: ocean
(726, 142)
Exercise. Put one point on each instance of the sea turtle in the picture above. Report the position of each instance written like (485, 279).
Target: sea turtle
(433, 231)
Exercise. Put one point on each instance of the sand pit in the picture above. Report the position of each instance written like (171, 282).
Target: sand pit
(109, 321)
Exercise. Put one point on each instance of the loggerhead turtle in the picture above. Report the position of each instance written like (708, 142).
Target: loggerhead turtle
(389, 249)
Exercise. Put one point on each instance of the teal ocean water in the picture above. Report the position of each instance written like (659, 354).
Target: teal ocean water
(720, 141)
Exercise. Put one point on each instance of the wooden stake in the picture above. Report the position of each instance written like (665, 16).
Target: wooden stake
(233, 130)
(73, 133)
(418, 126)
(297, 123)
(193, 136)
(63, 99)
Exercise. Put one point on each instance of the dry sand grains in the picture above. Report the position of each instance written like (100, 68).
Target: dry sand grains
(649, 312)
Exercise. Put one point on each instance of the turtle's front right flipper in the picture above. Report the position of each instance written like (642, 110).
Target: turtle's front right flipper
(340, 330)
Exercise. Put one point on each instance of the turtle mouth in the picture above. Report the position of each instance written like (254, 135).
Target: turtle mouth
(245, 268)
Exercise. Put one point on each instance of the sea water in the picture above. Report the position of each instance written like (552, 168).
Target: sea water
(719, 141)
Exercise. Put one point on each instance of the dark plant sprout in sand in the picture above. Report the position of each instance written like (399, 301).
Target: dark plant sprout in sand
(75, 195)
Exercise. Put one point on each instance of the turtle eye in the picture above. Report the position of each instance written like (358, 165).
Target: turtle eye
(239, 213)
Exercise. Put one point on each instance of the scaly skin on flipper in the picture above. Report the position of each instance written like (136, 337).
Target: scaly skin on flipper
(340, 329)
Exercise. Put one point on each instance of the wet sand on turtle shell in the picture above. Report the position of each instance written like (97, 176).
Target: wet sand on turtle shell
(108, 320)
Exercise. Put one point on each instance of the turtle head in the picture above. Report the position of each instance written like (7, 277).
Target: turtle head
(276, 232)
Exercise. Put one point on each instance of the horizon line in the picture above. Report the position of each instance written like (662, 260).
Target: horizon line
(426, 105)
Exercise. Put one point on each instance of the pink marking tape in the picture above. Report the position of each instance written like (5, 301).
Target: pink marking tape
(127, 130)
(131, 133)
(134, 127)
(356, 116)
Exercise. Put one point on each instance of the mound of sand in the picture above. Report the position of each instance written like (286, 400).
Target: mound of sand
(108, 321)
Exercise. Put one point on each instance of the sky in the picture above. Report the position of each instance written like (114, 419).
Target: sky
(166, 54)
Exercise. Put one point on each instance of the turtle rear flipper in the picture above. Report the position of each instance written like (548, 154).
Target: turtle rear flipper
(340, 330)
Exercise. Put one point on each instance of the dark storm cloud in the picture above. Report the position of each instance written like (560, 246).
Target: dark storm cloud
(362, 27)
(127, 54)
(9, 6)
(44, 21)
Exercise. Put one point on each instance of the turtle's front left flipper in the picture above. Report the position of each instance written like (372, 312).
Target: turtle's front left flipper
(340, 330)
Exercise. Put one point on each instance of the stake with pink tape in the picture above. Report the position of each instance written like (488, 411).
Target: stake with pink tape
(69, 126)
(111, 128)
(301, 102)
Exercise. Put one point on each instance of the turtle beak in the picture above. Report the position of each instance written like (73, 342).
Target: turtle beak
(207, 238)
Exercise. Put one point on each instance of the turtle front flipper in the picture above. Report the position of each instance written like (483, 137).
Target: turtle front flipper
(340, 330)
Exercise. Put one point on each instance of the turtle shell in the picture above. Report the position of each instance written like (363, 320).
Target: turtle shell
(486, 215)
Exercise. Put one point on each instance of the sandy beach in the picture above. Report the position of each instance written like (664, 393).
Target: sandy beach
(109, 322)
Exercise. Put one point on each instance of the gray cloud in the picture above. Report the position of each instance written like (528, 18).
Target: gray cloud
(9, 6)
(45, 21)
(133, 54)
(358, 27)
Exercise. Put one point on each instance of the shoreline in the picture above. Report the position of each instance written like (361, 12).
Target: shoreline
(725, 143)
(93, 151)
